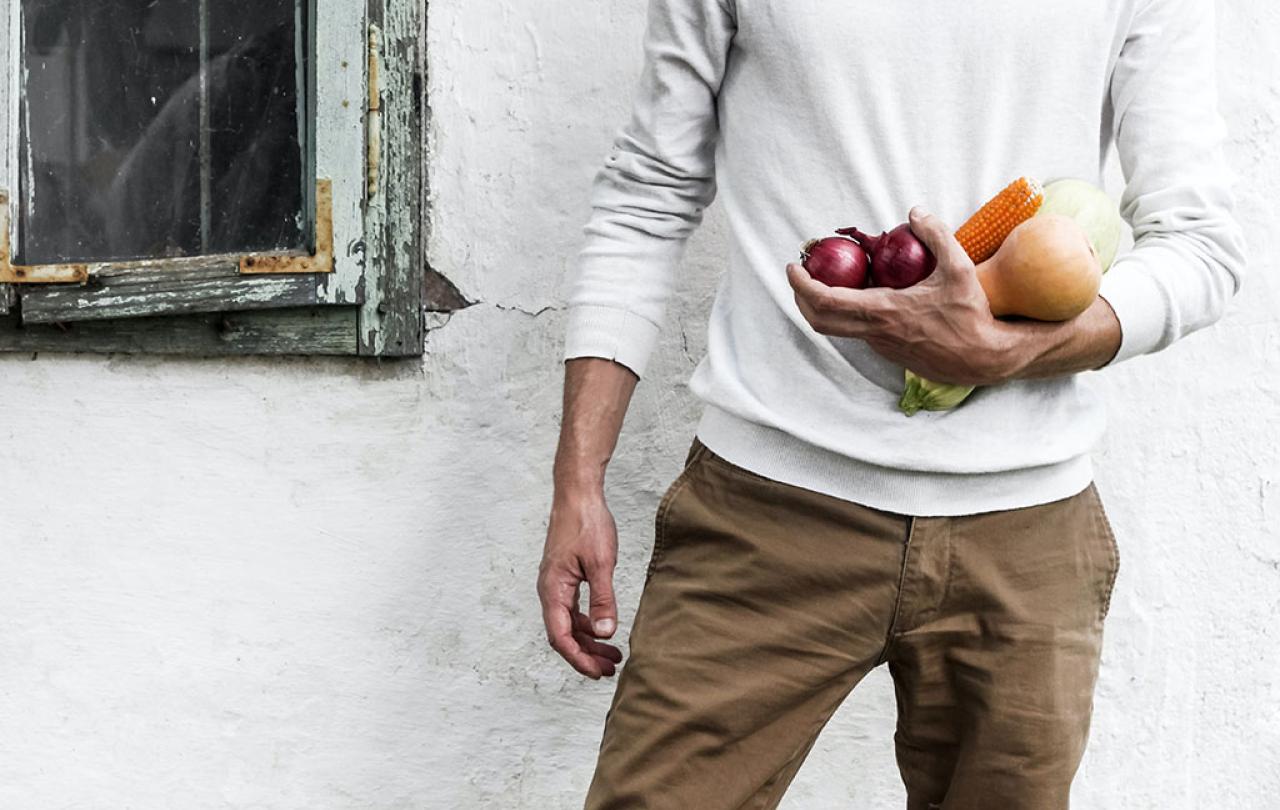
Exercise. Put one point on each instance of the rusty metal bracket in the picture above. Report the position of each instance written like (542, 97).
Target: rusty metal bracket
(11, 273)
(373, 120)
(319, 262)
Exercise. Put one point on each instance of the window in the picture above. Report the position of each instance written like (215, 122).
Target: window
(211, 176)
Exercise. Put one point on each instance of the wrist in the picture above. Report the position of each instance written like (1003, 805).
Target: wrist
(1011, 350)
(580, 464)
(576, 483)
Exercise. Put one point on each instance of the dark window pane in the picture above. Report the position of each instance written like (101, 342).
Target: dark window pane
(159, 128)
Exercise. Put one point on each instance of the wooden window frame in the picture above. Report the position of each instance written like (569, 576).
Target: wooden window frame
(360, 293)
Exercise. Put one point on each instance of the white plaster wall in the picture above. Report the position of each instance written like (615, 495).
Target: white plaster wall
(309, 583)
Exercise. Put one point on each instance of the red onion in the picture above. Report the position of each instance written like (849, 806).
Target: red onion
(898, 258)
(836, 261)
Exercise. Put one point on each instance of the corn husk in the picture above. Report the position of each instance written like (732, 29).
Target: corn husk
(925, 395)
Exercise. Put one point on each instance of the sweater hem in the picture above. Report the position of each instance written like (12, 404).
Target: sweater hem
(786, 459)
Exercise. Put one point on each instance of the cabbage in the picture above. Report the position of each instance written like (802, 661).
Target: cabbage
(1092, 208)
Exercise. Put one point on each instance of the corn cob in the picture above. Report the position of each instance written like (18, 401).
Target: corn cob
(986, 230)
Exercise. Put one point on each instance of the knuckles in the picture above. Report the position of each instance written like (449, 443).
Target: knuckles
(880, 316)
(598, 561)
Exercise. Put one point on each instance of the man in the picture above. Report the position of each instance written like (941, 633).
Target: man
(816, 532)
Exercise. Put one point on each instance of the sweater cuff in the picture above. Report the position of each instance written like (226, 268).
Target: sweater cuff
(611, 333)
(1140, 306)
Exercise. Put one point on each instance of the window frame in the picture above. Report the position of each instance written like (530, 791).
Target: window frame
(365, 297)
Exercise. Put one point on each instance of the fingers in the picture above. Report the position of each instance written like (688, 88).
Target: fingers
(606, 657)
(572, 633)
(601, 604)
(559, 598)
(805, 295)
(608, 653)
(834, 310)
(937, 236)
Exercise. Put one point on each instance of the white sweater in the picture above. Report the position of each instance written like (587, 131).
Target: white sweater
(809, 115)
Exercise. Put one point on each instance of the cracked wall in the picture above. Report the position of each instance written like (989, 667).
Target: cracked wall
(309, 583)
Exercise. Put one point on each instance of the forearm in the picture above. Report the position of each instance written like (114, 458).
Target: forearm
(1086, 342)
(596, 395)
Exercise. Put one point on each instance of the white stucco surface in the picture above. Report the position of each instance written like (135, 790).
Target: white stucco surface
(309, 583)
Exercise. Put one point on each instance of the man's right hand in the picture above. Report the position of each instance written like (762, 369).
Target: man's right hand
(582, 540)
(581, 546)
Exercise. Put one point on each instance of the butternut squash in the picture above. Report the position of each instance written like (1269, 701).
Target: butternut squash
(1048, 269)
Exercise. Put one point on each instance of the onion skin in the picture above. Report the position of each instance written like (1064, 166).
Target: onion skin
(836, 262)
(898, 258)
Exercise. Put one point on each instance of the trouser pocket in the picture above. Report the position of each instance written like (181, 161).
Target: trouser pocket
(1113, 547)
(696, 450)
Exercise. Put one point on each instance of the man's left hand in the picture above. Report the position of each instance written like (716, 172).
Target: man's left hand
(942, 328)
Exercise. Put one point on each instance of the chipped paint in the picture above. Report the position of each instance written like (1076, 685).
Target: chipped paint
(391, 314)
(341, 59)
(8, 95)
(373, 118)
(23, 74)
(359, 199)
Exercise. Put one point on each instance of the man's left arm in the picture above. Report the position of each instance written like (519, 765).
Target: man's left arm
(1189, 254)
(943, 329)
(1187, 262)
(1087, 342)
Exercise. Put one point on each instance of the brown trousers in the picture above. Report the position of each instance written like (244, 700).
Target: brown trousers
(765, 604)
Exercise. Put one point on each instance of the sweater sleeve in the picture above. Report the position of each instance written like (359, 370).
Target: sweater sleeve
(655, 183)
(1189, 254)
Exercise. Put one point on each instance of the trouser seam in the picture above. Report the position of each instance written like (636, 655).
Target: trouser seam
(1103, 524)
(951, 567)
(902, 581)
(763, 795)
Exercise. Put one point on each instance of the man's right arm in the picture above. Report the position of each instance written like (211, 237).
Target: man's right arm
(596, 395)
(647, 199)
(582, 540)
